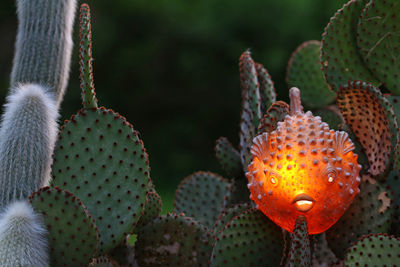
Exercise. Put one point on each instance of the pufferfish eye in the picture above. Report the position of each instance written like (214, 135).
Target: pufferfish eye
(330, 174)
(274, 178)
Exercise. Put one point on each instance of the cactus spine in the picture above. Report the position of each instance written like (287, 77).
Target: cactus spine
(22, 237)
(28, 133)
(44, 43)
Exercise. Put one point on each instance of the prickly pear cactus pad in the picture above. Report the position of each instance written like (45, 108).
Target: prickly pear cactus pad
(299, 251)
(152, 209)
(304, 71)
(369, 213)
(371, 118)
(303, 168)
(249, 239)
(379, 41)
(267, 89)
(228, 157)
(73, 234)
(201, 196)
(173, 240)
(101, 160)
(340, 56)
(276, 113)
(227, 214)
(374, 250)
(251, 105)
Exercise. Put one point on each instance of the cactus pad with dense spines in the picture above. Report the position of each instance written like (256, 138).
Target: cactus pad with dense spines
(299, 251)
(249, 239)
(304, 72)
(228, 157)
(152, 209)
(72, 231)
(276, 113)
(267, 89)
(374, 250)
(379, 41)
(201, 196)
(371, 119)
(227, 215)
(101, 160)
(173, 240)
(369, 213)
(340, 56)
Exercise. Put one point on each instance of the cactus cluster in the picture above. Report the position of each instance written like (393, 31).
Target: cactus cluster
(84, 197)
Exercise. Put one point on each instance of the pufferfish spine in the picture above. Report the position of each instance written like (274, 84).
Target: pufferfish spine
(303, 168)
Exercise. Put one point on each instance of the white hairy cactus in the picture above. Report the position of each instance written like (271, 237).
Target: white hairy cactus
(23, 237)
(27, 138)
(44, 43)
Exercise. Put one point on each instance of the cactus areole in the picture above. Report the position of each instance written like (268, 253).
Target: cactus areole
(303, 168)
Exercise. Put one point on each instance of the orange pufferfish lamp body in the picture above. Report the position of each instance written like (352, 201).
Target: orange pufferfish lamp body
(303, 168)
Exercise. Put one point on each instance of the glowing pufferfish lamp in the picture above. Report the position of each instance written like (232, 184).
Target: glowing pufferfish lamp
(303, 168)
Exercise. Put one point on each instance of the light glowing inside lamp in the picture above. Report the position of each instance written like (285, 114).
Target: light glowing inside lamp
(303, 168)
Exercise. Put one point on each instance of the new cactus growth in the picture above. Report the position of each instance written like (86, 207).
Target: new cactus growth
(23, 237)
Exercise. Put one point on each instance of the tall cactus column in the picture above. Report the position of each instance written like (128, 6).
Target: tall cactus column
(44, 43)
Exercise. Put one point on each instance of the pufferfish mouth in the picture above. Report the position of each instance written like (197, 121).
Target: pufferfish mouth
(303, 202)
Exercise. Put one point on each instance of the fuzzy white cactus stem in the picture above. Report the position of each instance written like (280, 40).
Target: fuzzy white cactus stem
(44, 43)
(23, 240)
(27, 137)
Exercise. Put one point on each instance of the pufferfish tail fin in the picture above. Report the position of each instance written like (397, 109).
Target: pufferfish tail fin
(260, 146)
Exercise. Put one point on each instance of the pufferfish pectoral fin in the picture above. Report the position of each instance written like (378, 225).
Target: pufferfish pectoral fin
(260, 146)
(343, 143)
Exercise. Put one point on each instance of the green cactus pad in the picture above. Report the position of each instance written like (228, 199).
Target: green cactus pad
(152, 209)
(372, 120)
(227, 215)
(251, 106)
(340, 56)
(267, 89)
(374, 250)
(393, 181)
(304, 72)
(250, 86)
(238, 192)
(370, 212)
(395, 102)
(379, 41)
(85, 59)
(322, 255)
(173, 240)
(276, 113)
(100, 158)
(228, 157)
(331, 115)
(201, 196)
(299, 251)
(73, 234)
(249, 239)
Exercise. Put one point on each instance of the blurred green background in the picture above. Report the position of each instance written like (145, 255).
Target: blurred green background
(171, 68)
